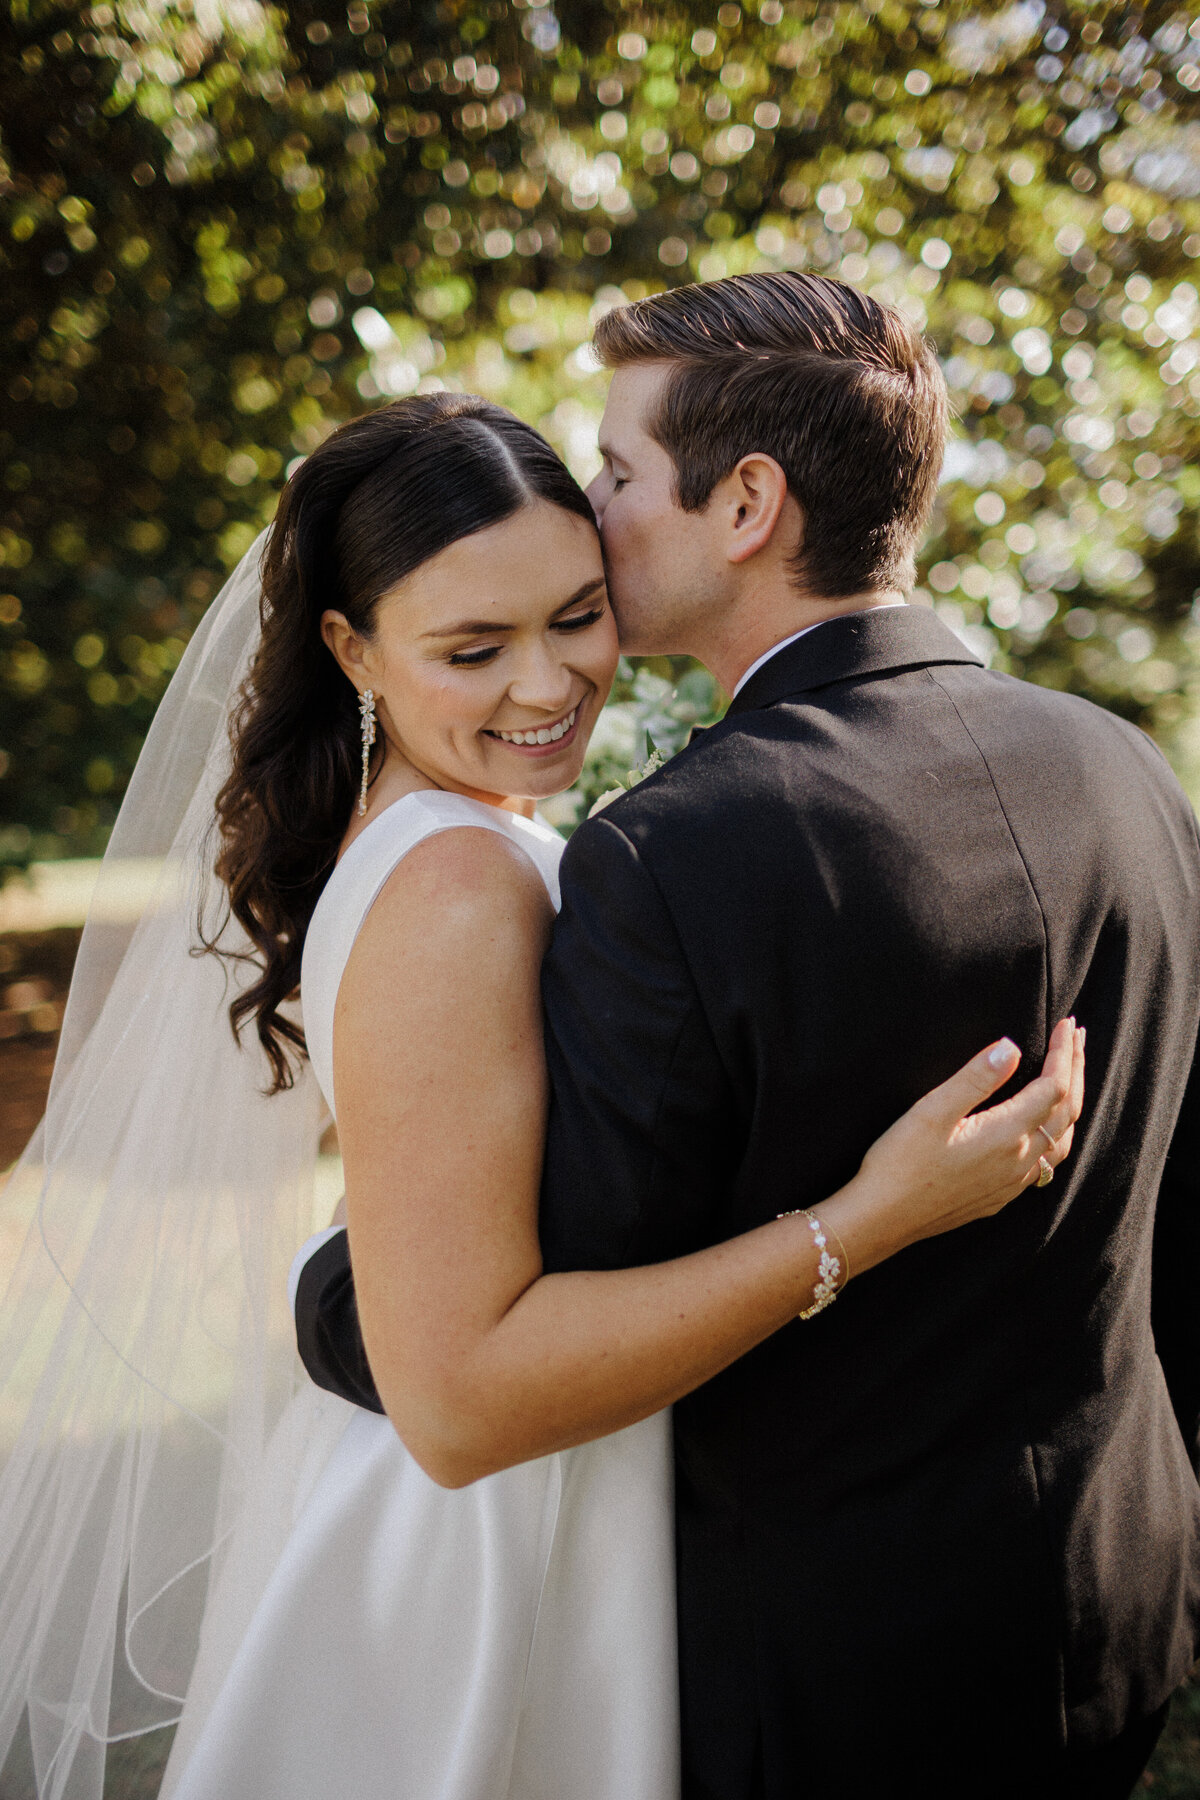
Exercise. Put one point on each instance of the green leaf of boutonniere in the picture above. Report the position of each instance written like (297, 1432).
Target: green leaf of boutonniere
(654, 761)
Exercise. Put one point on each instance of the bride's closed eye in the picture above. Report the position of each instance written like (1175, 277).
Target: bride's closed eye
(476, 659)
(578, 621)
(472, 659)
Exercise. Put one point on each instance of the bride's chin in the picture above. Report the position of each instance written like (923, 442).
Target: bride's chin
(554, 781)
(547, 790)
(538, 782)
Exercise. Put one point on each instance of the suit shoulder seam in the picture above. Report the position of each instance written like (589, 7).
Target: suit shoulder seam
(1011, 833)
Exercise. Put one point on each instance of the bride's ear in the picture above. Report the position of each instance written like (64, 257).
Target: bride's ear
(345, 645)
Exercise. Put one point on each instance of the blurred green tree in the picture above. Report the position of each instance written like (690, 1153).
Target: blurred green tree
(227, 226)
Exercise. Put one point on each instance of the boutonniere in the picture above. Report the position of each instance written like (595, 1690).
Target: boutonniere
(632, 776)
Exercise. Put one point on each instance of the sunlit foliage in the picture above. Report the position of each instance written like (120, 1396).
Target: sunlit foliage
(225, 226)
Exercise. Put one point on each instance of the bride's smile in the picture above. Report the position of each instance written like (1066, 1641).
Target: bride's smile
(495, 699)
(538, 738)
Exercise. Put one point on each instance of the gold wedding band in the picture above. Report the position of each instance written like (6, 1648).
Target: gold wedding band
(1053, 1142)
(1045, 1171)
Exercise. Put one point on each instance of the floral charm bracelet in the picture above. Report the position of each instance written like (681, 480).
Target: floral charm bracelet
(829, 1270)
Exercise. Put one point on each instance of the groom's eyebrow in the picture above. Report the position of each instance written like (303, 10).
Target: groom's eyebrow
(468, 627)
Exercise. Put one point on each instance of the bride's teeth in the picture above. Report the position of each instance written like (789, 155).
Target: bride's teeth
(546, 735)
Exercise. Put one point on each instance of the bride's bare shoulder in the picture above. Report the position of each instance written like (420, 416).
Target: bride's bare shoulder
(448, 955)
(443, 978)
(467, 888)
(469, 865)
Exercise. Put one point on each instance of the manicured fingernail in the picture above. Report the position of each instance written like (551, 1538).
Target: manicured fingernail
(1003, 1053)
(1082, 1036)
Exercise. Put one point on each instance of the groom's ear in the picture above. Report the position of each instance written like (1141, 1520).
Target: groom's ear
(755, 502)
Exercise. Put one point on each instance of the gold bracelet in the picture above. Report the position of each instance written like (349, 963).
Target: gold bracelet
(830, 1267)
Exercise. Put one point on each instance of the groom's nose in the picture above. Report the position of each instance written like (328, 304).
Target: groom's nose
(595, 491)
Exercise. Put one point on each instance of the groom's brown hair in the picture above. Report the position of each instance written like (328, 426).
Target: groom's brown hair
(842, 392)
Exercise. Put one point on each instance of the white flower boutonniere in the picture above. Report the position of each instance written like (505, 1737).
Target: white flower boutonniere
(633, 776)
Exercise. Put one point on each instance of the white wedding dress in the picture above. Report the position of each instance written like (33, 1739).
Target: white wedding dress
(376, 1637)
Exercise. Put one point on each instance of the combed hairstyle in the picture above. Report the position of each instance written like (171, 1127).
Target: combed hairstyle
(380, 497)
(843, 393)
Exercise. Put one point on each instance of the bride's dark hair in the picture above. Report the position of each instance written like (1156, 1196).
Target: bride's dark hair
(381, 496)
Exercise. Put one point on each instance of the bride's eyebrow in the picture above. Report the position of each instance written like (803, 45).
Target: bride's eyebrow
(475, 627)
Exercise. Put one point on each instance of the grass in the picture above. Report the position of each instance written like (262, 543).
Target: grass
(1174, 1773)
(134, 1769)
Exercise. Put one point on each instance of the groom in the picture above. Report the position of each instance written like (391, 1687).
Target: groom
(946, 1536)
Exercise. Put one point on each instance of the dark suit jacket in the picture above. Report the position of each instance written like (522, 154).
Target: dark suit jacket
(953, 1523)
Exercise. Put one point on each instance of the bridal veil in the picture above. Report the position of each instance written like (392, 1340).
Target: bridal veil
(146, 1353)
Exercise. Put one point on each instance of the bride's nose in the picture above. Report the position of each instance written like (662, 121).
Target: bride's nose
(542, 679)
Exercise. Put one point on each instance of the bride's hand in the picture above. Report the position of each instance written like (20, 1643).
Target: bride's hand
(944, 1164)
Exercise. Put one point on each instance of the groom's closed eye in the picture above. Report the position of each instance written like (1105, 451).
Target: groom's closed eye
(617, 480)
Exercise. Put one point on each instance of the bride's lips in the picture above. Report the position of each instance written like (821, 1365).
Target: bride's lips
(526, 740)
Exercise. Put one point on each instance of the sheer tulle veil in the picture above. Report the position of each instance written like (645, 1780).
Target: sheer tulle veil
(146, 1354)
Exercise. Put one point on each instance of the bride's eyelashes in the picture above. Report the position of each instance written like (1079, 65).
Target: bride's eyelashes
(579, 620)
(475, 659)
(472, 659)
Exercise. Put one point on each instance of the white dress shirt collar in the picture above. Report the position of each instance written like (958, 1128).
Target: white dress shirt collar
(783, 643)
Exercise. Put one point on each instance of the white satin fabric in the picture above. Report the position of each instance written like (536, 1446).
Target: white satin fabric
(375, 1637)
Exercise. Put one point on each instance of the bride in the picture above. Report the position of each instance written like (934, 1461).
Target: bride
(472, 1598)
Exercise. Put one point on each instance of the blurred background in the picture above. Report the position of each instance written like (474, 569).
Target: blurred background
(226, 226)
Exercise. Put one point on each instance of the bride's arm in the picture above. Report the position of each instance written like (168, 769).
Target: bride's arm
(481, 1361)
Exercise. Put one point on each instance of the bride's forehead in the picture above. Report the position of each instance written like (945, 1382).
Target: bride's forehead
(524, 569)
(522, 544)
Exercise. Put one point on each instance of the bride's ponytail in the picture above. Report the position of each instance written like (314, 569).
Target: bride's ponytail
(381, 496)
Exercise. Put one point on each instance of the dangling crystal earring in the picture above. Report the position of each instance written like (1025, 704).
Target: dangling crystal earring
(366, 708)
